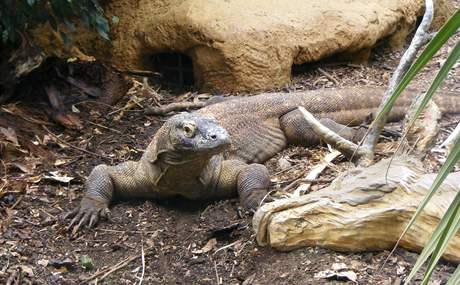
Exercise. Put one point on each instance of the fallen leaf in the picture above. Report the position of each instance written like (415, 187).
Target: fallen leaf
(34, 179)
(10, 135)
(58, 177)
(23, 167)
(60, 161)
(338, 266)
(75, 109)
(43, 262)
(207, 247)
(27, 269)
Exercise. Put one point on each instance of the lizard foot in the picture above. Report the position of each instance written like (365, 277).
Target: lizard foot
(88, 213)
(253, 201)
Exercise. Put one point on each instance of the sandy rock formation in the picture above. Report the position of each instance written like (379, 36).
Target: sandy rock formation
(241, 45)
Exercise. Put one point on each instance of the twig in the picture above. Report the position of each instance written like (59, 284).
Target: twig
(146, 73)
(304, 180)
(226, 246)
(180, 106)
(104, 273)
(294, 181)
(315, 172)
(16, 203)
(328, 76)
(24, 117)
(217, 273)
(127, 232)
(408, 57)
(72, 146)
(104, 127)
(142, 260)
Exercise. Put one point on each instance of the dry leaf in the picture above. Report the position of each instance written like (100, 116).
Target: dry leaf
(34, 179)
(24, 167)
(27, 269)
(207, 247)
(60, 161)
(10, 135)
(58, 177)
(75, 109)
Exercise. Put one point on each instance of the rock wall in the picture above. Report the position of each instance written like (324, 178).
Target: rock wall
(241, 45)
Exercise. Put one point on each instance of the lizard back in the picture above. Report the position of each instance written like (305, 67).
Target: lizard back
(254, 122)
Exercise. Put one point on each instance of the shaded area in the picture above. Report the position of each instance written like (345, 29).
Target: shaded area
(176, 70)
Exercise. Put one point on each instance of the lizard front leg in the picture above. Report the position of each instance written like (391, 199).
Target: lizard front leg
(250, 180)
(102, 185)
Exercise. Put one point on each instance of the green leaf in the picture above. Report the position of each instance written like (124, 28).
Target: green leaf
(451, 160)
(86, 262)
(448, 232)
(429, 247)
(31, 2)
(442, 74)
(455, 278)
(449, 28)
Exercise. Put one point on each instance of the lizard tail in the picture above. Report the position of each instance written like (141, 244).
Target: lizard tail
(448, 101)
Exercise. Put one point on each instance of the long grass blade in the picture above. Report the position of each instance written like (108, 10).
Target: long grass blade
(442, 74)
(451, 160)
(449, 230)
(455, 278)
(431, 244)
(449, 28)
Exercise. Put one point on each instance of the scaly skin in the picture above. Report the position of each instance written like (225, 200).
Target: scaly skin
(216, 151)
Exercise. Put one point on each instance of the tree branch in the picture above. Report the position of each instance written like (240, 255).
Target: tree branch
(417, 42)
(345, 146)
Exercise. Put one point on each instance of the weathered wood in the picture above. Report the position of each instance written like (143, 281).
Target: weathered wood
(361, 210)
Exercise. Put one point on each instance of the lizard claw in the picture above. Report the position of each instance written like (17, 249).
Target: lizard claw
(87, 214)
(254, 200)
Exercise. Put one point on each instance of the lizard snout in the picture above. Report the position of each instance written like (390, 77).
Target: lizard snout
(219, 136)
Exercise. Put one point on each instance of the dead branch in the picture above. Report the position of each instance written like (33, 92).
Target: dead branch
(365, 153)
(180, 106)
(314, 173)
(345, 146)
(328, 76)
(72, 146)
(417, 42)
(363, 209)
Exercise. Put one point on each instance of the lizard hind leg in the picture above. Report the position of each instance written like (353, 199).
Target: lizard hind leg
(298, 132)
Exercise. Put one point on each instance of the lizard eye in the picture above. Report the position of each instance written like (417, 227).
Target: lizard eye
(189, 130)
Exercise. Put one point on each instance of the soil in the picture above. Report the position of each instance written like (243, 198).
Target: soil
(175, 241)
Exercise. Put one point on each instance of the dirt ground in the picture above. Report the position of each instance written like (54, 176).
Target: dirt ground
(176, 241)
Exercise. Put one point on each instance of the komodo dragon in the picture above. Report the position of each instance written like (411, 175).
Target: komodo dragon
(216, 152)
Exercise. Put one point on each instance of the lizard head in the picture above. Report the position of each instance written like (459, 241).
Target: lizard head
(192, 134)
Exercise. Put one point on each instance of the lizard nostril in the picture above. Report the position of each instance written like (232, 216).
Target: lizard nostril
(213, 137)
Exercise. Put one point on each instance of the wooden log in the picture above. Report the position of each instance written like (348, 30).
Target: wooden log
(363, 209)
